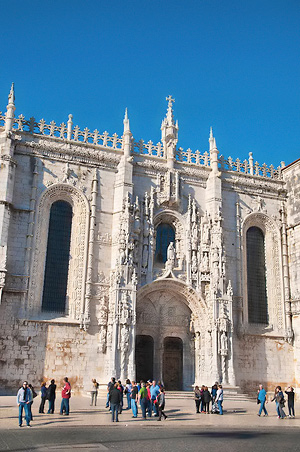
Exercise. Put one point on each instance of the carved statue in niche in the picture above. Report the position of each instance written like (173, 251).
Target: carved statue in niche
(171, 255)
(205, 263)
(194, 239)
(194, 263)
(122, 248)
(124, 347)
(146, 232)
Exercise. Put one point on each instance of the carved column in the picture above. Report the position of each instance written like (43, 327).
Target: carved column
(286, 278)
(29, 237)
(85, 319)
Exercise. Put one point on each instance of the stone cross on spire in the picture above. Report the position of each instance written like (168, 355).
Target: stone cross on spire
(170, 117)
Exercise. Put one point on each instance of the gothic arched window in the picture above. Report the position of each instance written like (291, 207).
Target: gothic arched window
(256, 276)
(57, 257)
(165, 234)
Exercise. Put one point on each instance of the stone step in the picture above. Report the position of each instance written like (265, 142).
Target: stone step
(230, 393)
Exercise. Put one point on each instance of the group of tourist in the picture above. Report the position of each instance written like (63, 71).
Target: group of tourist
(279, 400)
(149, 395)
(203, 397)
(26, 394)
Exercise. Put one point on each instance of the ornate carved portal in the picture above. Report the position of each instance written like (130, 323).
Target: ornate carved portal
(168, 315)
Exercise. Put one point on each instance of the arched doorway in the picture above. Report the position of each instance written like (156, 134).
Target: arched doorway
(144, 348)
(173, 363)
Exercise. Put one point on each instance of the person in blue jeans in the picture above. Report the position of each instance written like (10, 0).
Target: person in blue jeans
(134, 399)
(143, 399)
(261, 396)
(219, 399)
(24, 398)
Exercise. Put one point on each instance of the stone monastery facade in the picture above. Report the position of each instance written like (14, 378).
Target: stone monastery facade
(141, 260)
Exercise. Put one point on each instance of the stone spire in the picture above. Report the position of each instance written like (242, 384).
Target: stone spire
(126, 122)
(10, 110)
(213, 152)
(126, 135)
(169, 133)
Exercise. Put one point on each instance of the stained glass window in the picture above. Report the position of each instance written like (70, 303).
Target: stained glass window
(165, 234)
(57, 258)
(256, 277)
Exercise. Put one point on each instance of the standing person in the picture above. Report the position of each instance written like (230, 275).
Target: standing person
(65, 394)
(24, 397)
(219, 399)
(110, 386)
(154, 391)
(206, 399)
(214, 392)
(134, 399)
(94, 391)
(143, 399)
(43, 397)
(115, 400)
(127, 391)
(149, 403)
(197, 398)
(34, 395)
(291, 400)
(51, 395)
(201, 399)
(121, 389)
(262, 398)
(279, 400)
(161, 404)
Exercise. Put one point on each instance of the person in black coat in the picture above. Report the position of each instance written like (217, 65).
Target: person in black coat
(115, 397)
(51, 396)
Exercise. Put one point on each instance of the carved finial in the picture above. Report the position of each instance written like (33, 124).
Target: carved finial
(126, 122)
(11, 97)
(212, 141)
(10, 110)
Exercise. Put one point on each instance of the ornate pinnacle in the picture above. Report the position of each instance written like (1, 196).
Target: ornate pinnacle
(11, 97)
(126, 122)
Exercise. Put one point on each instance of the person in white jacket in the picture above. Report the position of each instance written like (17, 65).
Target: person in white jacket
(219, 398)
(24, 398)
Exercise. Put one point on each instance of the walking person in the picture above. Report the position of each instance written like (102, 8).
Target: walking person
(154, 391)
(197, 398)
(262, 399)
(115, 400)
(161, 399)
(279, 400)
(134, 399)
(43, 397)
(219, 399)
(66, 395)
(94, 392)
(143, 399)
(24, 397)
(51, 395)
(291, 400)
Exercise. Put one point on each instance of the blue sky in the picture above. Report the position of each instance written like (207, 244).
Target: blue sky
(233, 65)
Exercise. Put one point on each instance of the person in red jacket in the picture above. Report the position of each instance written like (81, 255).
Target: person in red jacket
(65, 394)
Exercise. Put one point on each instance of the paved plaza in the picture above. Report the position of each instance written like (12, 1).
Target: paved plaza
(90, 428)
